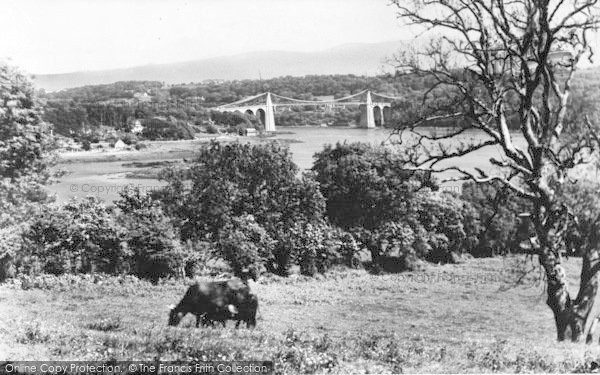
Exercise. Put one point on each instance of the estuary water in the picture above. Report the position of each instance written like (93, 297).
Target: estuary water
(103, 177)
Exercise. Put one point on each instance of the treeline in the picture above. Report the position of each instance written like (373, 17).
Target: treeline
(84, 109)
(246, 205)
(118, 105)
(307, 87)
(99, 93)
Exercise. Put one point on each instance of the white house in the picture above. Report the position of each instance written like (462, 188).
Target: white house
(120, 145)
(137, 127)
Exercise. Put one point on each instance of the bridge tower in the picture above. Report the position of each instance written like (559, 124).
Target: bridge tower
(367, 117)
(269, 114)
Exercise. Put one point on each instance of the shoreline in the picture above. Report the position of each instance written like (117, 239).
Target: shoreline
(167, 149)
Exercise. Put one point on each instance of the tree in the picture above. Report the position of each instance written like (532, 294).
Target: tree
(78, 237)
(501, 61)
(26, 144)
(365, 185)
(231, 180)
(246, 246)
(25, 158)
(153, 247)
(498, 209)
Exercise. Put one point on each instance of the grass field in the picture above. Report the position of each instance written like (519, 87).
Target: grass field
(470, 317)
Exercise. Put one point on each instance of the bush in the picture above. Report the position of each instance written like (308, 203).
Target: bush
(246, 246)
(163, 128)
(498, 208)
(211, 129)
(349, 249)
(151, 239)
(314, 246)
(129, 139)
(79, 237)
(452, 226)
(436, 228)
(86, 145)
(140, 146)
(86, 237)
(584, 202)
(10, 245)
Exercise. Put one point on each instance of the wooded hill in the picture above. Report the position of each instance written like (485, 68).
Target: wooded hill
(71, 110)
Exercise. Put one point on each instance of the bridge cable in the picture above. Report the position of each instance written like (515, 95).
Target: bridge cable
(319, 101)
(387, 97)
(242, 100)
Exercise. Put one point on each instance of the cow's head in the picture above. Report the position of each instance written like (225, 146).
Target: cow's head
(174, 316)
(233, 311)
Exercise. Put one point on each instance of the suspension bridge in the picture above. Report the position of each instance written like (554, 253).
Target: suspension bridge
(374, 108)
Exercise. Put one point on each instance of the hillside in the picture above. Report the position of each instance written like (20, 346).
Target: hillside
(472, 317)
(357, 58)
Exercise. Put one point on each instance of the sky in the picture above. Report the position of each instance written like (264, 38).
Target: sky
(60, 36)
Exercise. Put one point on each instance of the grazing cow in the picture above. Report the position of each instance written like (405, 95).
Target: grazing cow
(220, 315)
(210, 301)
(247, 312)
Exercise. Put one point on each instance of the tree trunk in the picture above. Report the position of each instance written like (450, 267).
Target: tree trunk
(576, 316)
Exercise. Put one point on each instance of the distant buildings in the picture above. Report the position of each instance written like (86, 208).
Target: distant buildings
(326, 98)
(142, 97)
(137, 127)
(120, 145)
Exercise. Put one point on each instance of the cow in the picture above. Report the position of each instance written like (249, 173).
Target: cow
(220, 315)
(246, 312)
(215, 301)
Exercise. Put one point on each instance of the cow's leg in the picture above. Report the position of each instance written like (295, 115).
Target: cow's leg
(205, 321)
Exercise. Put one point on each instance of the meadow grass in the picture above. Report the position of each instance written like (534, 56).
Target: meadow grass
(484, 315)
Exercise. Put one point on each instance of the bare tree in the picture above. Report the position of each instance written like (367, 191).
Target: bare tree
(502, 62)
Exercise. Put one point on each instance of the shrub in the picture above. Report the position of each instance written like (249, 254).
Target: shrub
(211, 129)
(498, 208)
(451, 225)
(584, 202)
(152, 240)
(10, 244)
(314, 246)
(86, 145)
(79, 237)
(435, 227)
(140, 146)
(163, 128)
(198, 256)
(349, 249)
(246, 246)
(310, 247)
(129, 139)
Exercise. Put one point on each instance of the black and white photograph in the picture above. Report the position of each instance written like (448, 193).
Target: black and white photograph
(299, 186)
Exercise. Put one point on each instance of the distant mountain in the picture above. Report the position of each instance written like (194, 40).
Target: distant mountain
(356, 58)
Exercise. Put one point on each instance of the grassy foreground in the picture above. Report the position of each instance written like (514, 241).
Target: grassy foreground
(470, 317)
